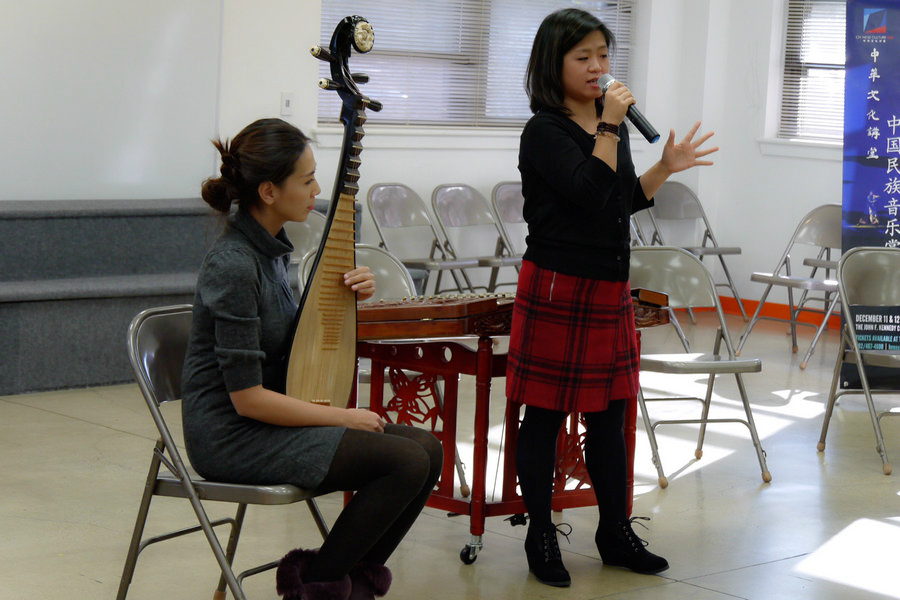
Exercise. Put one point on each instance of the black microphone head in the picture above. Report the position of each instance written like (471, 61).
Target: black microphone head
(605, 80)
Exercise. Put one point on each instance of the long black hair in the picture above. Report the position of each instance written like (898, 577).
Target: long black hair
(559, 32)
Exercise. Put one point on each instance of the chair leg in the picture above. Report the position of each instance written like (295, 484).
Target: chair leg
(134, 547)
(460, 471)
(231, 548)
(698, 453)
(734, 291)
(820, 330)
(794, 311)
(753, 320)
(832, 393)
(651, 435)
(751, 425)
(876, 422)
(214, 544)
(674, 321)
(317, 517)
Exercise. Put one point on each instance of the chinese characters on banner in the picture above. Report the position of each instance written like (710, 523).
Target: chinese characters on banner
(871, 181)
(871, 195)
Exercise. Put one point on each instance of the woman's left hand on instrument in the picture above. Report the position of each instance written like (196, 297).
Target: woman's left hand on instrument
(362, 281)
(686, 154)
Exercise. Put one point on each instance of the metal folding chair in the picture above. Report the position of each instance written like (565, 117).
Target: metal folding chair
(470, 231)
(677, 218)
(306, 235)
(868, 278)
(507, 202)
(818, 233)
(406, 231)
(687, 282)
(157, 342)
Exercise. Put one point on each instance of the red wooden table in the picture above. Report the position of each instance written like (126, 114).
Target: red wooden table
(415, 402)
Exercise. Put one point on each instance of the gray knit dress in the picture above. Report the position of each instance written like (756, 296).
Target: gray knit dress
(242, 326)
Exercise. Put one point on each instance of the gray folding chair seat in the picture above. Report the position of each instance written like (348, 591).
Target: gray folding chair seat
(819, 232)
(687, 282)
(406, 231)
(867, 277)
(157, 342)
(677, 218)
(470, 231)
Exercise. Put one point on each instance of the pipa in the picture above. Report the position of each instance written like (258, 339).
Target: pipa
(322, 359)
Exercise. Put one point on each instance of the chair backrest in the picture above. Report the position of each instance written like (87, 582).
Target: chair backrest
(675, 272)
(508, 204)
(402, 221)
(306, 235)
(820, 227)
(392, 279)
(157, 344)
(465, 220)
(677, 217)
(870, 276)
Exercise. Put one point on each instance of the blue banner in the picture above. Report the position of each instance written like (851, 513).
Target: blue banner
(871, 183)
(871, 186)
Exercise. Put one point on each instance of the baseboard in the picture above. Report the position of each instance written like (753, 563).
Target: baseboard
(776, 311)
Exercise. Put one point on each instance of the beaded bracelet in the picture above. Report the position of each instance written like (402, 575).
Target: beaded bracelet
(608, 128)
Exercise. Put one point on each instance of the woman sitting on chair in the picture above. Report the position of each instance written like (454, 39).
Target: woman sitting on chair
(240, 427)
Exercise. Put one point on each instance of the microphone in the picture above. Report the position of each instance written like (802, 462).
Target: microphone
(633, 114)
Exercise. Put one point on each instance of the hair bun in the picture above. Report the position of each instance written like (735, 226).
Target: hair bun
(231, 168)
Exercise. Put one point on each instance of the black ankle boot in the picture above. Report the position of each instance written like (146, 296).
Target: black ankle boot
(619, 546)
(544, 557)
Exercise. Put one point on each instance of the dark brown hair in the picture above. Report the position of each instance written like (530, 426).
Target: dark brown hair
(559, 32)
(265, 150)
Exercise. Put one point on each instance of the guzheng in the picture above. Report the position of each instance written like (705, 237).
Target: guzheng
(451, 316)
(441, 316)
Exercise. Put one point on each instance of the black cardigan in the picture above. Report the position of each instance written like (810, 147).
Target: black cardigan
(576, 207)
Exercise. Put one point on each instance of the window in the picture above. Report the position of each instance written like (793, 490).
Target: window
(812, 99)
(455, 62)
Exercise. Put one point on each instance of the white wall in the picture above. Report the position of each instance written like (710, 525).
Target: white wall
(711, 60)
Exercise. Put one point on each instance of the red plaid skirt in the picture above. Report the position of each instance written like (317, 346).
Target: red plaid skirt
(573, 345)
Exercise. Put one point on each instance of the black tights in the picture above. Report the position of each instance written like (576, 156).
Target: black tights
(392, 473)
(604, 455)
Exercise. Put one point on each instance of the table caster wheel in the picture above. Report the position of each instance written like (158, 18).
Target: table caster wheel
(468, 554)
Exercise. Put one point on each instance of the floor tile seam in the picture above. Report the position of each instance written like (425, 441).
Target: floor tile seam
(689, 580)
(669, 582)
(80, 419)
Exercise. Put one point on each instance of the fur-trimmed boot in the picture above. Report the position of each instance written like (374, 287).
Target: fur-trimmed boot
(289, 580)
(369, 580)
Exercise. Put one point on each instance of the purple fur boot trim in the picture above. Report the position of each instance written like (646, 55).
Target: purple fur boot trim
(369, 580)
(289, 580)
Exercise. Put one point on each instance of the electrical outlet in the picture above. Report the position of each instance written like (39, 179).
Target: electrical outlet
(287, 104)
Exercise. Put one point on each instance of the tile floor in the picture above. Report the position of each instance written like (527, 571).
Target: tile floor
(72, 464)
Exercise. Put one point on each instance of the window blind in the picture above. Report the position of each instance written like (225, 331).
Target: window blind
(456, 62)
(812, 101)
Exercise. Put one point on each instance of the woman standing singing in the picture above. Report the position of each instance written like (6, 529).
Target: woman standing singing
(573, 345)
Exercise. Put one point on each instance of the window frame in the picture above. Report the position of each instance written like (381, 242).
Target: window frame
(796, 73)
(328, 109)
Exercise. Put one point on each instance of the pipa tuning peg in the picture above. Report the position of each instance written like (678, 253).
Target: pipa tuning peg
(359, 77)
(375, 105)
(321, 53)
(327, 84)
